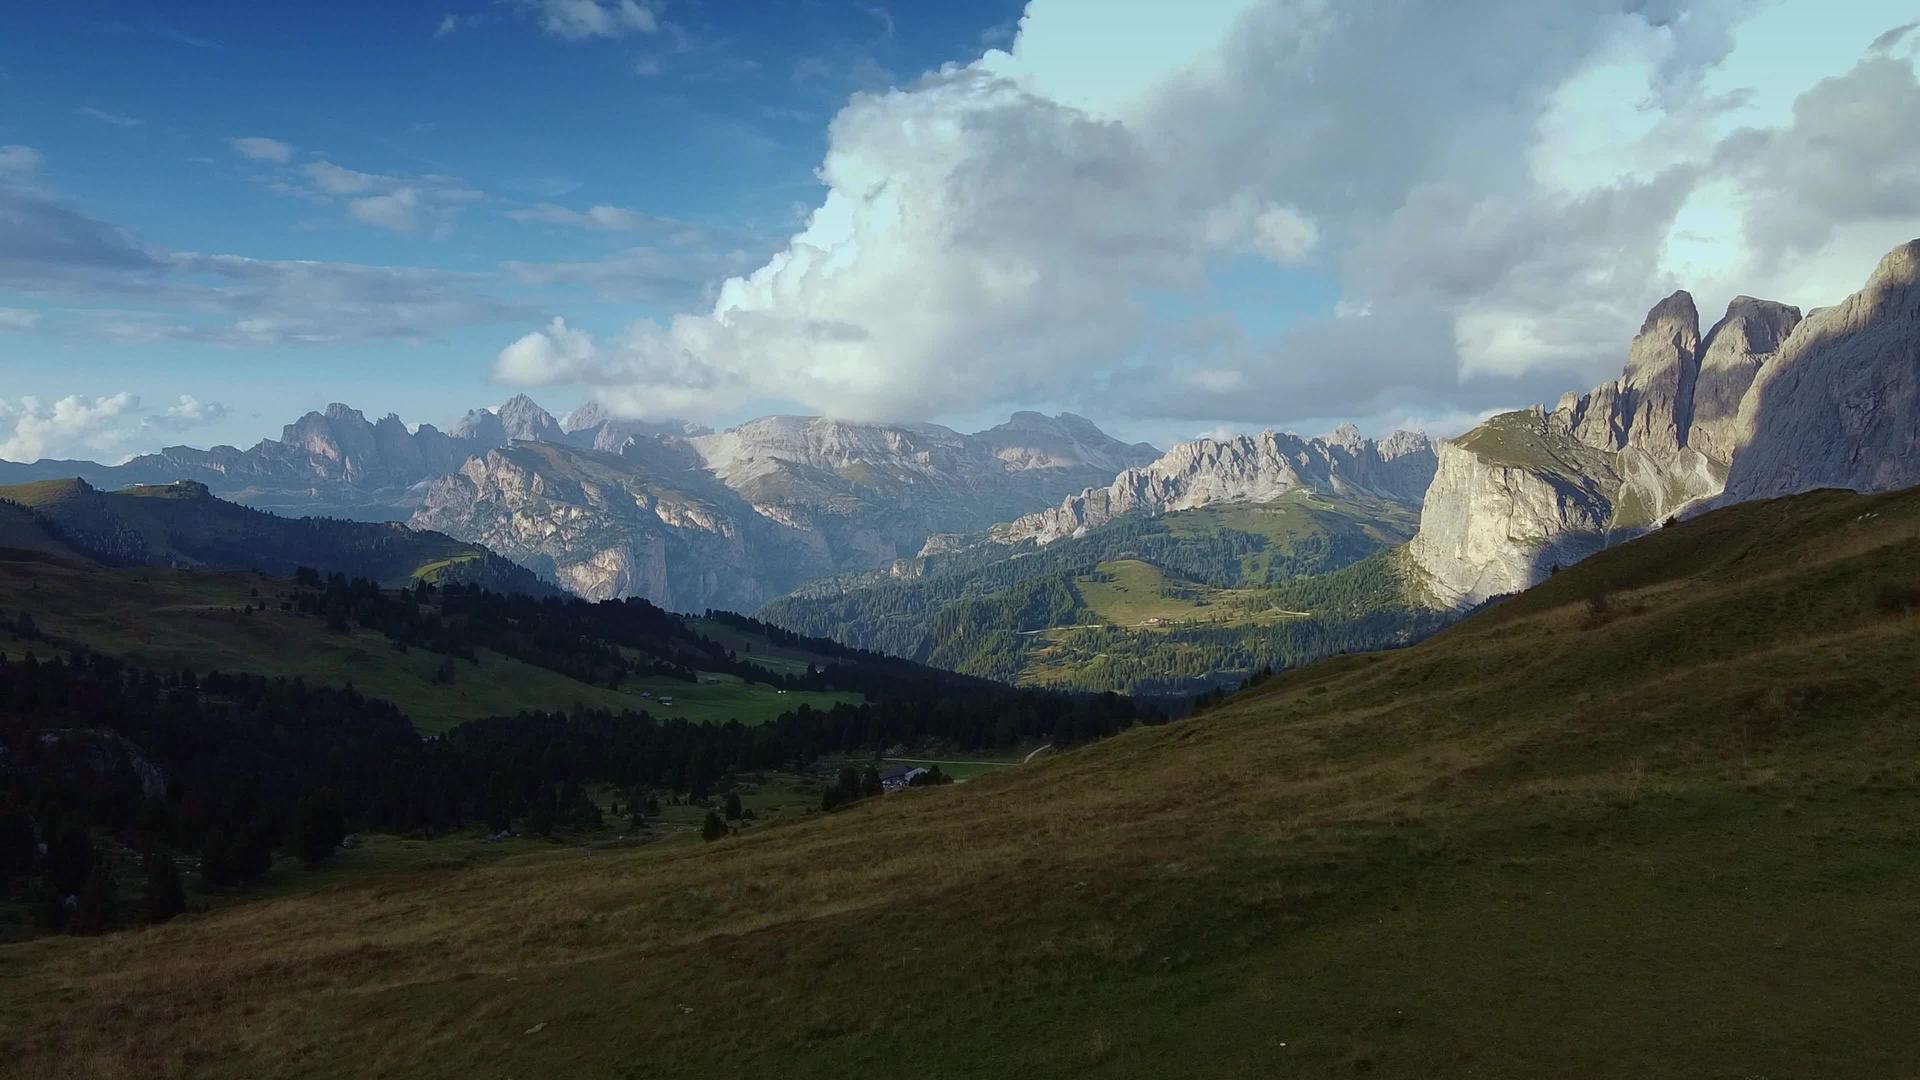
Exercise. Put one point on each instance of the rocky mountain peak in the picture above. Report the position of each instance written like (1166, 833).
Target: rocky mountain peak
(1401, 444)
(1898, 269)
(1242, 469)
(1839, 403)
(523, 419)
(1734, 351)
(1770, 403)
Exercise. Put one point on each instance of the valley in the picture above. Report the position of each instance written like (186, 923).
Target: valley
(1666, 791)
(1172, 605)
(1013, 540)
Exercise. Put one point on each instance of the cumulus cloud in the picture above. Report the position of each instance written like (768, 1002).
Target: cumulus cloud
(187, 412)
(30, 428)
(398, 210)
(1054, 221)
(1833, 166)
(76, 425)
(1282, 234)
(261, 148)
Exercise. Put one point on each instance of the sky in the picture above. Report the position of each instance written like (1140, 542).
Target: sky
(1217, 216)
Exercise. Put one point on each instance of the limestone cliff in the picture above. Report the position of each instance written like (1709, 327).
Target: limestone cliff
(1766, 404)
(1246, 468)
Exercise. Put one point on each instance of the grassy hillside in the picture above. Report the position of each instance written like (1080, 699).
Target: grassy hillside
(1175, 604)
(183, 525)
(174, 619)
(1655, 818)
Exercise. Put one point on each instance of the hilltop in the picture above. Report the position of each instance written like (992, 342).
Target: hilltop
(182, 524)
(1654, 817)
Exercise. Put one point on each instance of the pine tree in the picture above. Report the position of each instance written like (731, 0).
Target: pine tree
(317, 827)
(165, 897)
(99, 904)
(713, 828)
(733, 806)
(219, 859)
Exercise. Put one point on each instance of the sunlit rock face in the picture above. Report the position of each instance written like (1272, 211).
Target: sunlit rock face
(1767, 403)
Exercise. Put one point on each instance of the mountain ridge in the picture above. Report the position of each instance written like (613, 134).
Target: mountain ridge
(1768, 403)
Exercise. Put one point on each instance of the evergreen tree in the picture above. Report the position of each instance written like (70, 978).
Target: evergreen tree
(713, 828)
(18, 848)
(733, 806)
(540, 818)
(317, 827)
(870, 784)
(99, 903)
(848, 785)
(165, 897)
(219, 859)
(70, 859)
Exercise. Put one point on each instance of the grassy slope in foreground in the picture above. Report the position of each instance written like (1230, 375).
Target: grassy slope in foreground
(173, 619)
(1671, 834)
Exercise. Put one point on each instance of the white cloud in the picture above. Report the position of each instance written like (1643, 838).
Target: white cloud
(18, 162)
(610, 218)
(556, 354)
(403, 204)
(187, 412)
(331, 179)
(579, 20)
(105, 117)
(30, 429)
(260, 148)
(1283, 234)
(78, 425)
(18, 319)
(1051, 222)
(397, 210)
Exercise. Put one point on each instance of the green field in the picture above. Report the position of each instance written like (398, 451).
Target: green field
(720, 697)
(781, 659)
(1132, 593)
(1656, 818)
(171, 619)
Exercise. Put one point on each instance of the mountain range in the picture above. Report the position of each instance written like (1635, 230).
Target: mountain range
(1766, 403)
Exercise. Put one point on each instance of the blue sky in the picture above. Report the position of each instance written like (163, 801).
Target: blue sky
(1220, 215)
(713, 122)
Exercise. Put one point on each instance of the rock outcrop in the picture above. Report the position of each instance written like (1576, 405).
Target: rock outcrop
(1768, 403)
(1839, 406)
(1244, 469)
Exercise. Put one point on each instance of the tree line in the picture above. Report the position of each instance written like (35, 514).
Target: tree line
(106, 766)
